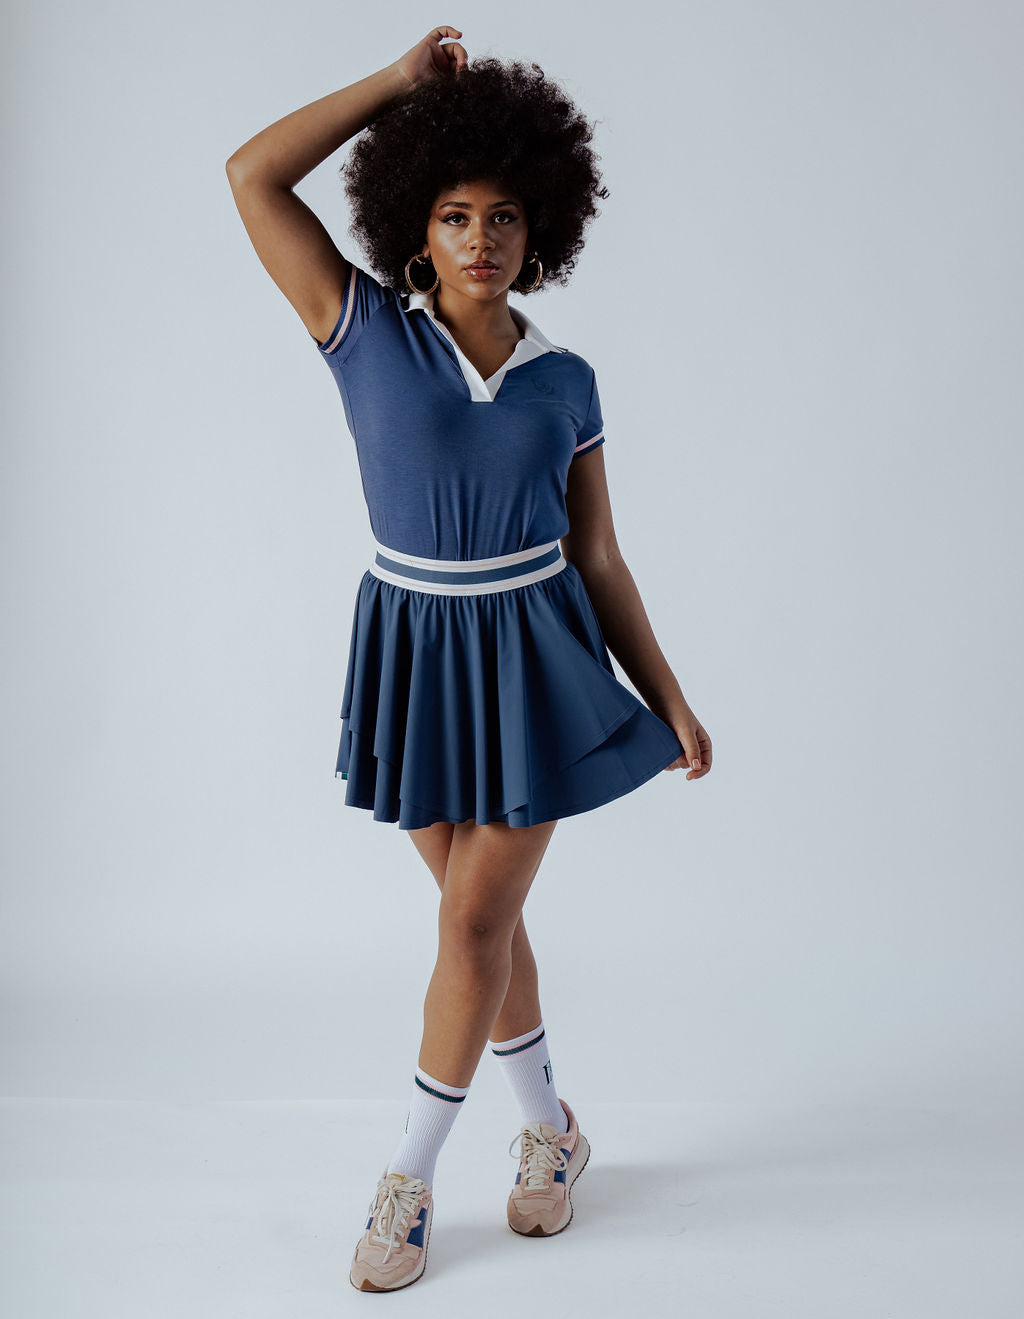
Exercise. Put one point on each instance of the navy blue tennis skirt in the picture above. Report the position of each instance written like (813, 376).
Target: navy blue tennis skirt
(482, 690)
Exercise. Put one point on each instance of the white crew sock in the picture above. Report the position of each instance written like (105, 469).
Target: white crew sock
(432, 1113)
(527, 1068)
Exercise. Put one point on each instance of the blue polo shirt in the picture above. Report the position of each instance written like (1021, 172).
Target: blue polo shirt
(454, 466)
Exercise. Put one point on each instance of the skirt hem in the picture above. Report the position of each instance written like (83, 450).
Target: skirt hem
(568, 809)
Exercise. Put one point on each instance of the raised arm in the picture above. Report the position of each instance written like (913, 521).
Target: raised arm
(296, 250)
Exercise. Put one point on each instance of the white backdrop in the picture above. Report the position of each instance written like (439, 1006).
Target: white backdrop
(803, 300)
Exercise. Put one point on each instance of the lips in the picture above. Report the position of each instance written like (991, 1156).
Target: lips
(482, 265)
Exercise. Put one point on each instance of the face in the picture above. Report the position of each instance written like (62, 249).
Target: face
(477, 221)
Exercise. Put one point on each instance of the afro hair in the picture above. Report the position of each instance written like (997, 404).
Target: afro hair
(491, 120)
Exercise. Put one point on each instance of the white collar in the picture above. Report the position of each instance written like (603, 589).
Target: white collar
(532, 345)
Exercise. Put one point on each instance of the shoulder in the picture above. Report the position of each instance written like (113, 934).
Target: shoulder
(574, 368)
(363, 296)
(575, 360)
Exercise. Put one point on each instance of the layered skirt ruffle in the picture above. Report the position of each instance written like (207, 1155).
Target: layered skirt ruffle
(495, 707)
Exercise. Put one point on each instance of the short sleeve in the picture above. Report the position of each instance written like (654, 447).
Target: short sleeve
(363, 295)
(590, 435)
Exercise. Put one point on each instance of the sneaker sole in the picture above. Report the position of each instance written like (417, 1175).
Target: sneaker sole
(582, 1147)
(367, 1286)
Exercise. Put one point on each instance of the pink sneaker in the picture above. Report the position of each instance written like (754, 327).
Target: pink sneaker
(392, 1252)
(549, 1163)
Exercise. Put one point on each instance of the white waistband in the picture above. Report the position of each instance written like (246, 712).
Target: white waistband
(501, 572)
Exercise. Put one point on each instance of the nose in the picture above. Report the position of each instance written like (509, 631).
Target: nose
(479, 238)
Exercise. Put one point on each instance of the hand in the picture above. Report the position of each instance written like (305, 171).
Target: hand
(429, 59)
(696, 745)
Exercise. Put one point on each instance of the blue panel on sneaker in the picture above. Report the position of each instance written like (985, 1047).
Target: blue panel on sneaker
(415, 1237)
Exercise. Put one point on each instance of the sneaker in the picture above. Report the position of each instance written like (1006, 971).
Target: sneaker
(392, 1252)
(549, 1163)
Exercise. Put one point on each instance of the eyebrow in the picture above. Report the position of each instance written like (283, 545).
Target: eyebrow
(468, 204)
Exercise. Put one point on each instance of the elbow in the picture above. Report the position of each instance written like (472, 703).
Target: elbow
(590, 559)
(234, 168)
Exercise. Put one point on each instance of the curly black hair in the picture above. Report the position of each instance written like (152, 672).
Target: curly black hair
(498, 121)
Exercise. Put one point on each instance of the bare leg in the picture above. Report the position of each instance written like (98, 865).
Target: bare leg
(486, 879)
(520, 1011)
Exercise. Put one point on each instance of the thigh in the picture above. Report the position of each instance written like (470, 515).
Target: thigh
(490, 870)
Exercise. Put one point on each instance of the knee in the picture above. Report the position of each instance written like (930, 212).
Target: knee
(476, 933)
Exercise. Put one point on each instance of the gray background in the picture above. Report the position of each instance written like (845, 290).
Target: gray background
(803, 300)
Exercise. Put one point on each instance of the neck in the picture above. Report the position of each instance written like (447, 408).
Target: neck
(473, 318)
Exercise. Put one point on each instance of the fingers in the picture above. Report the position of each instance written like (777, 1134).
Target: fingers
(439, 33)
(455, 51)
(699, 754)
(456, 54)
(696, 757)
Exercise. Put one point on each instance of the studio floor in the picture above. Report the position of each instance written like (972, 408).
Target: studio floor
(232, 1209)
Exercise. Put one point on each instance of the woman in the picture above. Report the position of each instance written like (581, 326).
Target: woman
(480, 703)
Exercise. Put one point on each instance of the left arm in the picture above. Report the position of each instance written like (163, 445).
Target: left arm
(592, 548)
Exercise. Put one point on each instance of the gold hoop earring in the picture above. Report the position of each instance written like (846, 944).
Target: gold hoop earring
(412, 287)
(528, 288)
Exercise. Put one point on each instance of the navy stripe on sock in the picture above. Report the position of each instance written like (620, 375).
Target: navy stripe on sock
(504, 1053)
(439, 1094)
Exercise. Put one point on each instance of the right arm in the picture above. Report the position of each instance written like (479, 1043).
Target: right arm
(296, 250)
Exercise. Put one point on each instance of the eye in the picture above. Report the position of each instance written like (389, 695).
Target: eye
(510, 216)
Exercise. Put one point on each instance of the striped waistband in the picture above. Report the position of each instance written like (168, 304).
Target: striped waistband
(467, 576)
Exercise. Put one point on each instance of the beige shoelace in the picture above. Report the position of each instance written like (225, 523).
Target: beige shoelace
(398, 1203)
(542, 1153)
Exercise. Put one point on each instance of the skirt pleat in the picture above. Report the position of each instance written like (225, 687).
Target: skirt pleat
(497, 707)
